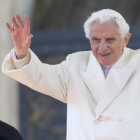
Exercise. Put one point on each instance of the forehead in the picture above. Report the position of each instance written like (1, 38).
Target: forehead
(105, 29)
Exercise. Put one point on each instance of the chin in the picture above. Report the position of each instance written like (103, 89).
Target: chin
(106, 64)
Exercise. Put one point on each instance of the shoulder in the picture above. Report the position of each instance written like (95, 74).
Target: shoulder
(134, 57)
(78, 60)
(82, 56)
(134, 53)
(8, 132)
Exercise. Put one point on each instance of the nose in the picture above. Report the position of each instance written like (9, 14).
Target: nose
(103, 46)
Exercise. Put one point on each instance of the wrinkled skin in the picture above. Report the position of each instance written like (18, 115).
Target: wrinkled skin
(21, 36)
(106, 42)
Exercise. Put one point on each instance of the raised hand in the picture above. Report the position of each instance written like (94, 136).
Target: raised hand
(21, 35)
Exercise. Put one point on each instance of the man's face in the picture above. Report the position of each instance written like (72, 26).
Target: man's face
(106, 42)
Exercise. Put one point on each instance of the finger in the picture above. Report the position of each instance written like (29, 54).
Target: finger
(29, 37)
(28, 40)
(14, 21)
(20, 24)
(27, 23)
(9, 28)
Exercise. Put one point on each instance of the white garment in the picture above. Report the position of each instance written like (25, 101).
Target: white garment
(105, 69)
(74, 81)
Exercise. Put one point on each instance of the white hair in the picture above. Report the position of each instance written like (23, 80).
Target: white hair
(106, 15)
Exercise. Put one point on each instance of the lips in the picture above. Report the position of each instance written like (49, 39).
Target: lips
(104, 54)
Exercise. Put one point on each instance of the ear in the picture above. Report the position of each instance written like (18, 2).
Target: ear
(127, 38)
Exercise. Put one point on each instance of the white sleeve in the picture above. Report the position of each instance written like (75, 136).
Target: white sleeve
(14, 54)
(19, 63)
(52, 80)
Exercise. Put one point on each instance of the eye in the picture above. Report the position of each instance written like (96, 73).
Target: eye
(110, 40)
(95, 39)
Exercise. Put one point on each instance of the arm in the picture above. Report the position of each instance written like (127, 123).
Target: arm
(51, 80)
(48, 79)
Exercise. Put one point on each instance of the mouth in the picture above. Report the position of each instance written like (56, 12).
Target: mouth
(104, 54)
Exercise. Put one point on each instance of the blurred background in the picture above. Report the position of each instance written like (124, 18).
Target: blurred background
(57, 26)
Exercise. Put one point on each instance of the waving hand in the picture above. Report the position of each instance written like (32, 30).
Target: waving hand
(21, 35)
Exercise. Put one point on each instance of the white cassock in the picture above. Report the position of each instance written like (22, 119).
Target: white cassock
(97, 108)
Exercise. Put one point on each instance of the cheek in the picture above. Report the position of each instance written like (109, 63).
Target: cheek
(94, 50)
(117, 51)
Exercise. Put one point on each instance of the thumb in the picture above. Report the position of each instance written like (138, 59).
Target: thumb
(28, 39)
(30, 36)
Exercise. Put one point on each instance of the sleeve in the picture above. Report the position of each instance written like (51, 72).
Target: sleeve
(48, 79)
(19, 63)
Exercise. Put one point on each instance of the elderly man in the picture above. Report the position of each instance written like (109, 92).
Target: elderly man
(101, 87)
